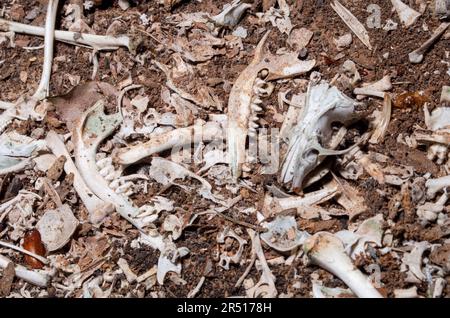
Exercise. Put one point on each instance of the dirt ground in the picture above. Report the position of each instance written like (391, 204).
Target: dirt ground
(94, 250)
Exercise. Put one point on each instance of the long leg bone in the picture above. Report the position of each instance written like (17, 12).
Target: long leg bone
(374, 89)
(96, 207)
(407, 15)
(175, 138)
(327, 251)
(417, 55)
(97, 42)
(245, 98)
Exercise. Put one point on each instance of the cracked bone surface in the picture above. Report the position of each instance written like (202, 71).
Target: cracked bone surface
(327, 251)
(175, 138)
(245, 97)
(96, 207)
(90, 130)
(324, 105)
(416, 56)
(97, 42)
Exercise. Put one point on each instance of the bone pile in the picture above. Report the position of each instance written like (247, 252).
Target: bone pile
(224, 148)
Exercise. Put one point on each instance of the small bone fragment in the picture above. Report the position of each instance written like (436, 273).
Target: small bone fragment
(57, 227)
(412, 262)
(352, 22)
(343, 41)
(442, 8)
(407, 15)
(231, 13)
(96, 42)
(374, 89)
(123, 264)
(225, 259)
(299, 38)
(417, 55)
(383, 122)
(406, 293)
(283, 235)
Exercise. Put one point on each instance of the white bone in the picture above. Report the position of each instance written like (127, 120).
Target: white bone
(97, 42)
(32, 277)
(327, 251)
(436, 185)
(416, 56)
(175, 138)
(96, 207)
(352, 22)
(407, 15)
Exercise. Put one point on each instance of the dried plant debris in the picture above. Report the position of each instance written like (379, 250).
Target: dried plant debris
(225, 148)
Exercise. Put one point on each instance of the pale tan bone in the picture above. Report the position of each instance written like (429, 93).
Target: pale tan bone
(416, 56)
(96, 207)
(175, 138)
(244, 102)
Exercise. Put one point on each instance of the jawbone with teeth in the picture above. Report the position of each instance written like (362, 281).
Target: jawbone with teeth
(245, 98)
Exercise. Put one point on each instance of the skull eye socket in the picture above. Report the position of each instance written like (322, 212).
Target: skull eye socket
(310, 155)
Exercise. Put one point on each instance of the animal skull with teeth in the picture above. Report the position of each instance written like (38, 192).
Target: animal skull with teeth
(324, 105)
(245, 101)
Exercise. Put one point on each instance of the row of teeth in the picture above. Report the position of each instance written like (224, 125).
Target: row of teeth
(111, 175)
(258, 90)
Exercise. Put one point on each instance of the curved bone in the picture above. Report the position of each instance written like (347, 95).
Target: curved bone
(90, 130)
(242, 104)
(175, 138)
(407, 15)
(225, 259)
(24, 107)
(96, 207)
(327, 251)
(266, 285)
